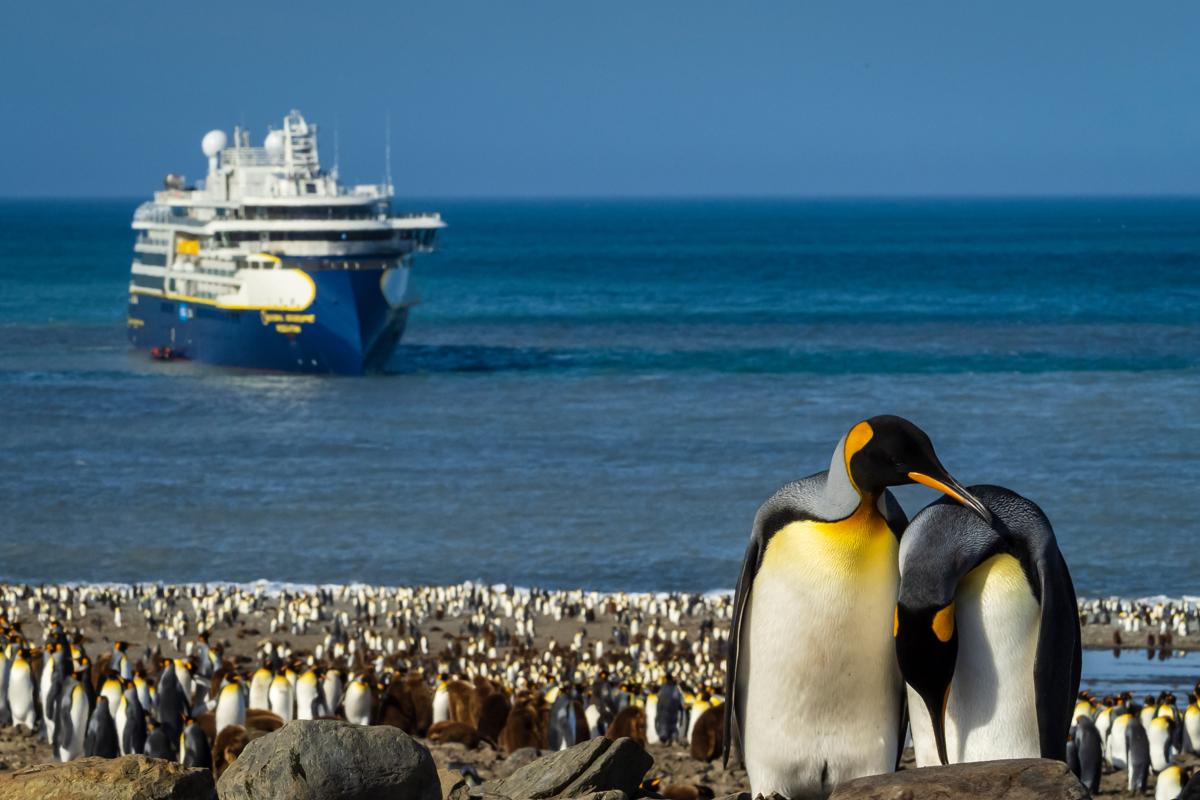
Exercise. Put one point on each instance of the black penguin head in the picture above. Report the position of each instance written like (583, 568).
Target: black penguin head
(888, 451)
(927, 649)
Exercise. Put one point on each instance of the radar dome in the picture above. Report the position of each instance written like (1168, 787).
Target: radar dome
(213, 143)
(274, 144)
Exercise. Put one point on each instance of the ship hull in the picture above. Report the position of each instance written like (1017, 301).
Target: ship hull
(349, 328)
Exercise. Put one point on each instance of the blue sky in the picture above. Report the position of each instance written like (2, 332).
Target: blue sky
(649, 98)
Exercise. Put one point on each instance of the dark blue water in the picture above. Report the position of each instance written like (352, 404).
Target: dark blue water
(602, 393)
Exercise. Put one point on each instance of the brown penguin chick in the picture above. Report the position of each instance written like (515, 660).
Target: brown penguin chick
(398, 706)
(461, 694)
(208, 723)
(262, 720)
(708, 734)
(457, 732)
(493, 716)
(422, 701)
(521, 729)
(229, 744)
(630, 722)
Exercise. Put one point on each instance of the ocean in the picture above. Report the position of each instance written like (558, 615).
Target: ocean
(601, 393)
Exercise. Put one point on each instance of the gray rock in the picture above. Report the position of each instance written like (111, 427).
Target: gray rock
(332, 760)
(516, 760)
(1016, 779)
(128, 778)
(597, 765)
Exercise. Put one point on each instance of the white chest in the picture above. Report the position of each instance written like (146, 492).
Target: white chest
(991, 712)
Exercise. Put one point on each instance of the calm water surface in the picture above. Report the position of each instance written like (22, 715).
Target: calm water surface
(601, 394)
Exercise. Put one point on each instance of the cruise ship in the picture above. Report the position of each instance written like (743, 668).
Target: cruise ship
(270, 263)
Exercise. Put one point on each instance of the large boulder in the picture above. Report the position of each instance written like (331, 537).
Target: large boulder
(127, 778)
(597, 765)
(332, 760)
(1016, 779)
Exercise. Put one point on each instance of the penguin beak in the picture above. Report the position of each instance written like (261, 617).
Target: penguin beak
(946, 484)
(938, 719)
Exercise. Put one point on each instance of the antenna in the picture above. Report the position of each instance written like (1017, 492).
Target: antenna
(387, 153)
(336, 146)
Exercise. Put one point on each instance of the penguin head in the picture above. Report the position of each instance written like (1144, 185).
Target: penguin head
(888, 451)
(927, 649)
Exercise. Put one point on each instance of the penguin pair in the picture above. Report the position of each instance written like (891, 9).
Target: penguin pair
(827, 608)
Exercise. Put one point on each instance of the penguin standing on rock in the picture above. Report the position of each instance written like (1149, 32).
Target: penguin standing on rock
(987, 632)
(812, 619)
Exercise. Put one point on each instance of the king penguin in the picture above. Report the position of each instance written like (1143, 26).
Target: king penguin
(231, 704)
(987, 632)
(1089, 753)
(101, 739)
(22, 696)
(811, 633)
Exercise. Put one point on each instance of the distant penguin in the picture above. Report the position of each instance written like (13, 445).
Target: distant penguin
(813, 614)
(358, 702)
(157, 745)
(51, 685)
(73, 712)
(1088, 752)
(699, 705)
(704, 742)
(193, 746)
(5, 713)
(670, 708)
(1104, 720)
(630, 722)
(101, 739)
(1117, 743)
(332, 688)
(22, 697)
(282, 701)
(142, 686)
(260, 689)
(133, 735)
(170, 704)
(111, 689)
(1160, 732)
(1137, 755)
(308, 690)
(441, 701)
(987, 632)
(651, 708)
(231, 705)
(1191, 727)
(1169, 783)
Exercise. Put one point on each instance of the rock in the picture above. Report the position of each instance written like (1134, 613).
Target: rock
(1016, 779)
(450, 780)
(612, 794)
(597, 765)
(127, 778)
(737, 796)
(516, 760)
(332, 760)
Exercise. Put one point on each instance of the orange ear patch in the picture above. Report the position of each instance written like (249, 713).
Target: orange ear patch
(943, 623)
(856, 440)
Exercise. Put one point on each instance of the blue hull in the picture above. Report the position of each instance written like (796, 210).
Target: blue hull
(349, 328)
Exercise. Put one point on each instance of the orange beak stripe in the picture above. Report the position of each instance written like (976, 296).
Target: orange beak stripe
(934, 483)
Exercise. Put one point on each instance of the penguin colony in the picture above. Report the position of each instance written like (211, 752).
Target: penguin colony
(851, 629)
(460, 664)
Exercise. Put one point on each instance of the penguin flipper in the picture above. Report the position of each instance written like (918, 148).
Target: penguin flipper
(741, 595)
(1058, 660)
